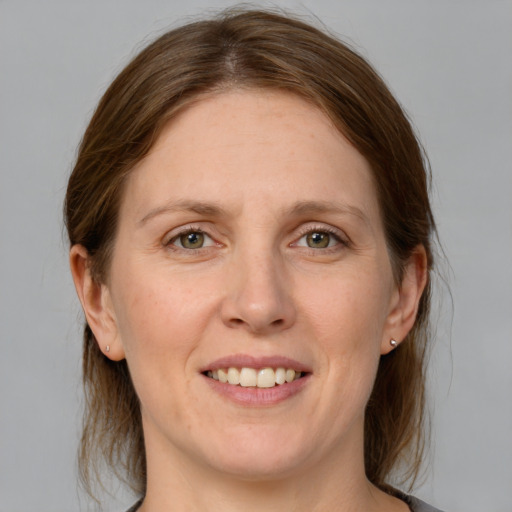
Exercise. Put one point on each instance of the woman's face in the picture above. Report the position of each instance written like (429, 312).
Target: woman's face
(250, 238)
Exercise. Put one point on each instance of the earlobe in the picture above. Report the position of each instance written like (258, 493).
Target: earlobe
(406, 300)
(96, 304)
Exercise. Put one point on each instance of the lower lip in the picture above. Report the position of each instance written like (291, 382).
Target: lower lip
(258, 397)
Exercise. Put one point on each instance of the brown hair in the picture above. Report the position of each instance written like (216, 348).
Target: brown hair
(251, 49)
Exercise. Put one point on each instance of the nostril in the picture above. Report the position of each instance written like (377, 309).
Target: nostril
(275, 324)
(257, 314)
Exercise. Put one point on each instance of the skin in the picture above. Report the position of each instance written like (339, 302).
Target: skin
(255, 171)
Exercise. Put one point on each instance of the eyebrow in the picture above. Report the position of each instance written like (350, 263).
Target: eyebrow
(301, 208)
(316, 207)
(199, 207)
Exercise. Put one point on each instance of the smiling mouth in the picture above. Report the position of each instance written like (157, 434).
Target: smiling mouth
(253, 377)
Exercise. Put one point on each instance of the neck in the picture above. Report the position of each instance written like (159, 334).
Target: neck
(177, 483)
(300, 493)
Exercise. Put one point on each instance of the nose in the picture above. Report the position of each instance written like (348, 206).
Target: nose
(258, 296)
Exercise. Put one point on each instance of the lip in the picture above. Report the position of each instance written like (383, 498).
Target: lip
(247, 361)
(252, 396)
(258, 397)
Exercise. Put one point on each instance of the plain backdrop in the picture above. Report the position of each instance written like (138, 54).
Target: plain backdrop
(448, 61)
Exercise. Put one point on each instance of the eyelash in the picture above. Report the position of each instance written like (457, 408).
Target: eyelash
(336, 234)
(186, 230)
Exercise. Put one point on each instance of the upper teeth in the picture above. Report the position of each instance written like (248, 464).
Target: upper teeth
(251, 377)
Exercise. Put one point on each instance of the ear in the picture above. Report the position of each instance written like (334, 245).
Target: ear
(405, 300)
(96, 303)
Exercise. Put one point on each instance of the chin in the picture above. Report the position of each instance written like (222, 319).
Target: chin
(257, 469)
(260, 457)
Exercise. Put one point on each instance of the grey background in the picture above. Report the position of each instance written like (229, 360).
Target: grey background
(448, 61)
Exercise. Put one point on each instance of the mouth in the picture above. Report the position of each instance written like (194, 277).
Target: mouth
(248, 377)
(260, 381)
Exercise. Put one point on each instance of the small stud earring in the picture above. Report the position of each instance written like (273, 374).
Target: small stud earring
(107, 348)
(394, 343)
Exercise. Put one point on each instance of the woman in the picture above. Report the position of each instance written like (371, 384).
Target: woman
(250, 241)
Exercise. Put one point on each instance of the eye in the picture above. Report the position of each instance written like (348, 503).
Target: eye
(192, 239)
(319, 239)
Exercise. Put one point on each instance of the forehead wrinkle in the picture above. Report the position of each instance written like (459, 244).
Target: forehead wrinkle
(199, 207)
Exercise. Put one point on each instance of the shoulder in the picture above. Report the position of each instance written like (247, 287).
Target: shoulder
(417, 505)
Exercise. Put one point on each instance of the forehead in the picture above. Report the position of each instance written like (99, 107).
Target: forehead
(245, 144)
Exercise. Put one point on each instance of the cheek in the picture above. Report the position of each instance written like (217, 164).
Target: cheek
(349, 314)
(159, 328)
(348, 328)
(156, 311)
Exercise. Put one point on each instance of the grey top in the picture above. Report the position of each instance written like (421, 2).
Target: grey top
(415, 505)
